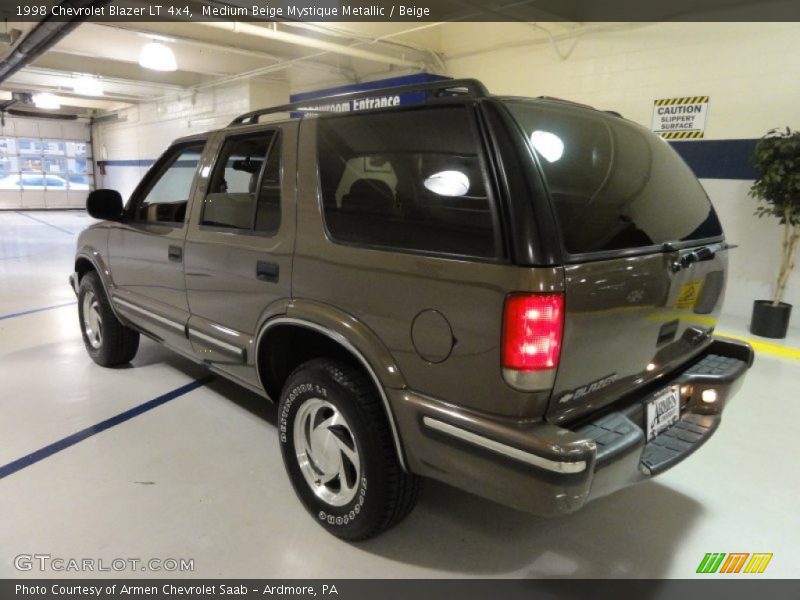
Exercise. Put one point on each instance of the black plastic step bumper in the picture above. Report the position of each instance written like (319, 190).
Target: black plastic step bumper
(620, 437)
(678, 442)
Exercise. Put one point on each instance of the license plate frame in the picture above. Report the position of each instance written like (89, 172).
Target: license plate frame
(662, 410)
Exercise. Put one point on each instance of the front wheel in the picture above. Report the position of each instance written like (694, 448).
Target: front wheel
(108, 342)
(339, 453)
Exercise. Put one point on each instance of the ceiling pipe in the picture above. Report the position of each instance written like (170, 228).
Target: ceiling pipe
(308, 42)
(42, 37)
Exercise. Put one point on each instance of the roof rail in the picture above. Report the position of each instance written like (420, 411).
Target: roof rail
(471, 88)
(563, 101)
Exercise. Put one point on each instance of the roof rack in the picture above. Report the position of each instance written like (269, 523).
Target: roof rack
(471, 88)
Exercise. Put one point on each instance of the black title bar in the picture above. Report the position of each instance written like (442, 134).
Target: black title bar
(574, 11)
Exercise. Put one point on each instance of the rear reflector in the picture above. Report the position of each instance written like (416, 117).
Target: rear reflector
(532, 328)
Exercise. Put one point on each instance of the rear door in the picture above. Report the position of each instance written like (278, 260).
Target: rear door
(645, 259)
(239, 245)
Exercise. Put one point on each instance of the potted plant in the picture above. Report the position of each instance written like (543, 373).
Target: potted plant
(777, 159)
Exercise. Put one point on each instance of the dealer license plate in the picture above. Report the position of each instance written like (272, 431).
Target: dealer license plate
(662, 411)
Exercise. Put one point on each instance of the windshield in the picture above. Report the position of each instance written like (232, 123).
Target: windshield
(614, 184)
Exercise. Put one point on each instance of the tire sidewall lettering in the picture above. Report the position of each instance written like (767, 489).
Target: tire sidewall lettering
(292, 400)
(286, 408)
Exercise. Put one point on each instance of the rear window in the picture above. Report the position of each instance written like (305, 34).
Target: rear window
(614, 184)
(409, 180)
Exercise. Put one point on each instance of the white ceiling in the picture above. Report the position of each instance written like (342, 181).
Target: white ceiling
(304, 55)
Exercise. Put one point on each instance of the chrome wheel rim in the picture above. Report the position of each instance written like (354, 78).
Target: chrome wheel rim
(326, 452)
(92, 322)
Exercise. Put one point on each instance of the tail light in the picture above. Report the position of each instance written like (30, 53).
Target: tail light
(533, 326)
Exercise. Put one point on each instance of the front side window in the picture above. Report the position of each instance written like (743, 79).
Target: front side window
(408, 180)
(168, 196)
(244, 190)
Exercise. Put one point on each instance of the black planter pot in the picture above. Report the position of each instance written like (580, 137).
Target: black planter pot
(770, 321)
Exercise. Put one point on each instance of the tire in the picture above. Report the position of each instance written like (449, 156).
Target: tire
(338, 450)
(108, 342)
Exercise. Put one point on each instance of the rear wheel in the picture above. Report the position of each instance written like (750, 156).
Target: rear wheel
(108, 342)
(339, 453)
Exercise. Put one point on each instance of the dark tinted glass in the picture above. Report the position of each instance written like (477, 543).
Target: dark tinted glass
(614, 184)
(168, 195)
(406, 179)
(231, 198)
(268, 214)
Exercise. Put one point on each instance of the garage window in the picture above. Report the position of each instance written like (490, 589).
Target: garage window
(409, 180)
(45, 164)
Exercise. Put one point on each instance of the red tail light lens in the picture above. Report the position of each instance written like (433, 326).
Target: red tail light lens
(533, 325)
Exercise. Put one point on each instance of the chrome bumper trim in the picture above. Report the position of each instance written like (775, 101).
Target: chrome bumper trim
(500, 448)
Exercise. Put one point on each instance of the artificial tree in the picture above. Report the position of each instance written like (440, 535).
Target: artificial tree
(777, 159)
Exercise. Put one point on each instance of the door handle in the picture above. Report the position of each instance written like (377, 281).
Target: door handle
(175, 253)
(267, 271)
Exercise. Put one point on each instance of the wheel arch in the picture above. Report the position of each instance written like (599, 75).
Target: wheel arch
(286, 342)
(88, 260)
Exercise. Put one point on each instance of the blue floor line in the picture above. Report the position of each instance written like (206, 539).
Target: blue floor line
(61, 229)
(35, 310)
(71, 440)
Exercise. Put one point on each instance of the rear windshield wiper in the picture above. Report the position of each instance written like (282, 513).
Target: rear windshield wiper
(703, 253)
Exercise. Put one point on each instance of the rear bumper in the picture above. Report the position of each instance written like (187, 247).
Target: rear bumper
(550, 470)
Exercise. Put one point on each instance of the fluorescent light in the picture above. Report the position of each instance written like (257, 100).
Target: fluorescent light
(549, 145)
(448, 183)
(46, 100)
(86, 85)
(157, 57)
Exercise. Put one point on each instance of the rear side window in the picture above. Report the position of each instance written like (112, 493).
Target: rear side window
(409, 180)
(244, 190)
(168, 194)
(614, 184)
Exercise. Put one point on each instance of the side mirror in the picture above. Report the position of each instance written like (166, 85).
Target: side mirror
(105, 205)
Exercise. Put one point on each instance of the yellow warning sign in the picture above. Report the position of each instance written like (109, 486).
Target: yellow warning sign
(681, 118)
(688, 295)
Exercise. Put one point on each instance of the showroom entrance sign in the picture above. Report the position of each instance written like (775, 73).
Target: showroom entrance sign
(680, 118)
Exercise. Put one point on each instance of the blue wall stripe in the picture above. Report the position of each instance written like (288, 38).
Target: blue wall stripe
(719, 159)
(709, 159)
(61, 229)
(145, 162)
(35, 310)
(81, 435)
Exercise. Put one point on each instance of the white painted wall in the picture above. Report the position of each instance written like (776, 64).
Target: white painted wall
(143, 132)
(751, 71)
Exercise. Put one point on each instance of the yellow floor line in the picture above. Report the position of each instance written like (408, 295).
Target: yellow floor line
(765, 347)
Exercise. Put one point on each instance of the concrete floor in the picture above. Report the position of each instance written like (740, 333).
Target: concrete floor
(201, 477)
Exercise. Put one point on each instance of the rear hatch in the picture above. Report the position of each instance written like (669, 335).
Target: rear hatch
(644, 255)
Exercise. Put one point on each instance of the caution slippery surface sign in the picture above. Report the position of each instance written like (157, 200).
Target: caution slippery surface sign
(680, 118)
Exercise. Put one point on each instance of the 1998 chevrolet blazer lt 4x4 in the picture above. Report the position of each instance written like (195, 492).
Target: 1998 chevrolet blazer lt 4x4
(514, 296)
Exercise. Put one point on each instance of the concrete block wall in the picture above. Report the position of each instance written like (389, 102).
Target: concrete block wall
(749, 70)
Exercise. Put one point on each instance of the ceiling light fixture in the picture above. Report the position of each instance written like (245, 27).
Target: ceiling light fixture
(86, 85)
(46, 100)
(157, 57)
